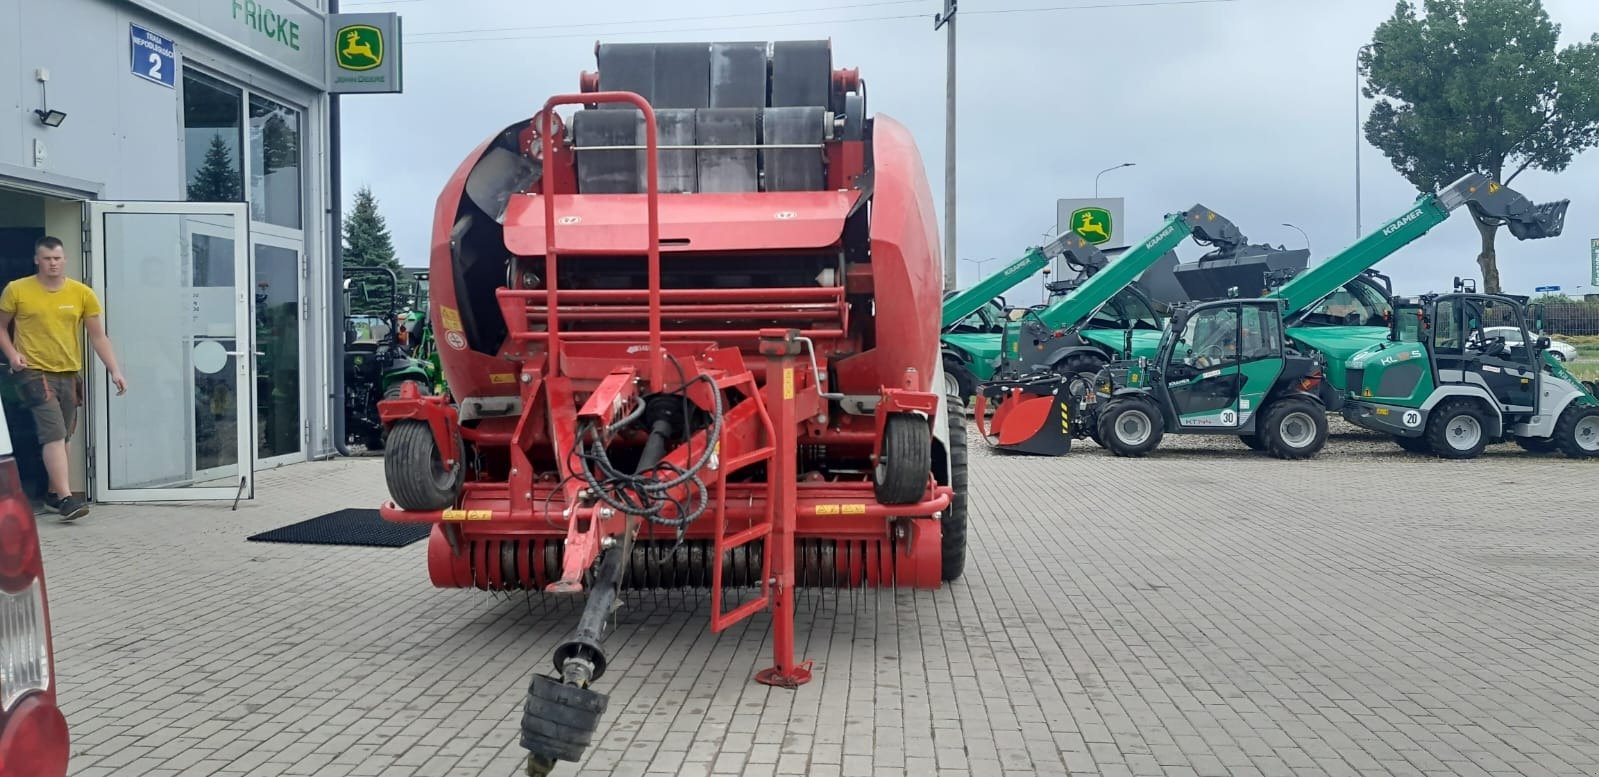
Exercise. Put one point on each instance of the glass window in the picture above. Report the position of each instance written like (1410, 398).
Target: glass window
(1210, 338)
(1260, 329)
(213, 137)
(277, 327)
(274, 162)
(1356, 304)
(1446, 327)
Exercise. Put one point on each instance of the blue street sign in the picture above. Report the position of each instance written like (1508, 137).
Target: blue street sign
(154, 58)
(1542, 289)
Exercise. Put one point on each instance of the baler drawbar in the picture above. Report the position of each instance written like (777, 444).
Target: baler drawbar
(691, 341)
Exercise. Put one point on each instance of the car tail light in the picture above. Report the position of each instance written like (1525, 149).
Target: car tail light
(24, 645)
(24, 626)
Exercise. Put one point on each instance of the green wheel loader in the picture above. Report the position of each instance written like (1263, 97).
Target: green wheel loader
(1440, 384)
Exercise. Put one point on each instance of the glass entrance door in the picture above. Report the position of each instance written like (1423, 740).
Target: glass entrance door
(179, 296)
(278, 339)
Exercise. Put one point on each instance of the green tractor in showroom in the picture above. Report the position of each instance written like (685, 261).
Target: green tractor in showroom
(1441, 384)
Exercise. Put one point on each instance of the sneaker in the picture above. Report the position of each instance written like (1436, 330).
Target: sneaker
(71, 507)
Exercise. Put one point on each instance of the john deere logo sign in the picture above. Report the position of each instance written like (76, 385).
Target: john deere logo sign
(1094, 224)
(360, 47)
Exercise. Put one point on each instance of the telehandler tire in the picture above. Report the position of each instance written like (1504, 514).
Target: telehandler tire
(1293, 428)
(1577, 432)
(1458, 429)
(1252, 441)
(1130, 426)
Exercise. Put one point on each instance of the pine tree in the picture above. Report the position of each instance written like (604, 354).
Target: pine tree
(218, 179)
(367, 244)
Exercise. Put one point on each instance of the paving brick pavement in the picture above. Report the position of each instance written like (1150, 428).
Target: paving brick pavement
(1199, 613)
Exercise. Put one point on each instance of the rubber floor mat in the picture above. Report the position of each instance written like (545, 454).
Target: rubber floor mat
(347, 527)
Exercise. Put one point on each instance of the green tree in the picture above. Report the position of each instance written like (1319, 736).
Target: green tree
(1479, 86)
(218, 179)
(367, 243)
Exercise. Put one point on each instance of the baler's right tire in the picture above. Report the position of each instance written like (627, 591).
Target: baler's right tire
(1577, 432)
(1458, 429)
(1130, 426)
(415, 471)
(907, 461)
(1293, 428)
(953, 523)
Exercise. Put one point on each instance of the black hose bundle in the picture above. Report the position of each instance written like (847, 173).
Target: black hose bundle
(641, 492)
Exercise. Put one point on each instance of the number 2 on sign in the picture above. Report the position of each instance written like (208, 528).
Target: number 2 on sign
(155, 66)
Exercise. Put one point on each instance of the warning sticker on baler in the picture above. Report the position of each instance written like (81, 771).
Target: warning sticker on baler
(455, 514)
(450, 317)
(788, 382)
(849, 509)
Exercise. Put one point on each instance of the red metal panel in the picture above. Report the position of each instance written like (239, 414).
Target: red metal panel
(743, 222)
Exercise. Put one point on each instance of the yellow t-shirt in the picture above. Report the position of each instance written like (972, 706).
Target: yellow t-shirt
(47, 322)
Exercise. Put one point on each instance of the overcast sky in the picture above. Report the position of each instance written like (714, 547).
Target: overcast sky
(1245, 106)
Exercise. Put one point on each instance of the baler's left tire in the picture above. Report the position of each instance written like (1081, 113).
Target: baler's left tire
(907, 460)
(953, 524)
(415, 471)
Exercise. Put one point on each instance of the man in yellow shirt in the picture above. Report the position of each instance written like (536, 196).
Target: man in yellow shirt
(48, 308)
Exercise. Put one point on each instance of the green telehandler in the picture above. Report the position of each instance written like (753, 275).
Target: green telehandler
(1328, 312)
(1458, 371)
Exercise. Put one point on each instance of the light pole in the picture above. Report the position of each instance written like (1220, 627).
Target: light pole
(947, 18)
(1106, 170)
(980, 263)
(1358, 52)
(1301, 232)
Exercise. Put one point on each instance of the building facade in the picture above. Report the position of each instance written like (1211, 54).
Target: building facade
(181, 149)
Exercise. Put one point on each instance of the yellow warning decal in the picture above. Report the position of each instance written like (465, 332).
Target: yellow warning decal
(501, 377)
(454, 514)
(450, 317)
(788, 382)
(828, 509)
(854, 509)
(1382, 411)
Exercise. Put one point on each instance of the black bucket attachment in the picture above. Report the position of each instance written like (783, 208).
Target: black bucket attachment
(1248, 270)
(1495, 204)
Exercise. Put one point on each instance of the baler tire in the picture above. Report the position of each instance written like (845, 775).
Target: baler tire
(1568, 430)
(415, 475)
(1438, 429)
(952, 551)
(1271, 428)
(902, 471)
(1113, 412)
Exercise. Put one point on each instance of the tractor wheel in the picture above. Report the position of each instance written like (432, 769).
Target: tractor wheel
(1577, 432)
(901, 473)
(1458, 429)
(414, 471)
(958, 381)
(953, 525)
(1293, 428)
(1130, 426)
(1252, 442)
